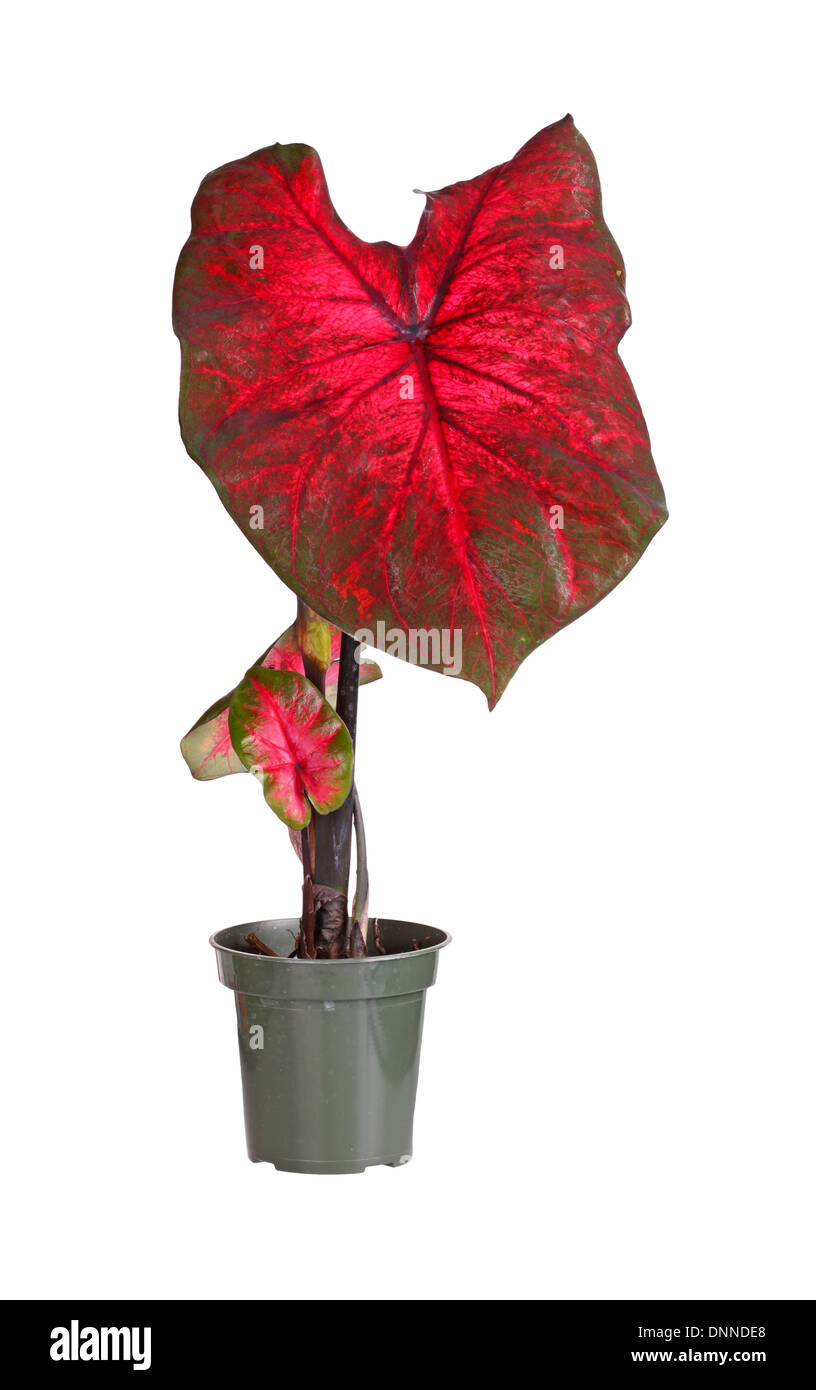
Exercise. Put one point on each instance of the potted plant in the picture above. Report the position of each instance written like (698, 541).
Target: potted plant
(439, 451)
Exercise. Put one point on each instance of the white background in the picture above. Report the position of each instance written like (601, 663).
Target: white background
(616, 1095)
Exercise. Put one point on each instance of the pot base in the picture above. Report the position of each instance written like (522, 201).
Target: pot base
(316, 1166)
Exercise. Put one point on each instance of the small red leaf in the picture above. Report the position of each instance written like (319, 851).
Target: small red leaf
(207, 747)
(440, 436)
(291, 739)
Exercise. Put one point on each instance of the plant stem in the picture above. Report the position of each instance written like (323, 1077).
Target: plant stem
(259, 946)
(359, 909)
(316, 673)
(333, 832)
(307, 921)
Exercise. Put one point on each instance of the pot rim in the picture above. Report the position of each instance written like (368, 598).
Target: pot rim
(275, 961)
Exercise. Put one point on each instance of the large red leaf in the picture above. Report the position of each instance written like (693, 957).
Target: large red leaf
(396, 429)
(290, 737)
(207, 747)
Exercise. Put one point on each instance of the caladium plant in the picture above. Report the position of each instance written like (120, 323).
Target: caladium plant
(438, 438)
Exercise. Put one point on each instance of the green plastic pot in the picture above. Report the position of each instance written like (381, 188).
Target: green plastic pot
(329, 1049)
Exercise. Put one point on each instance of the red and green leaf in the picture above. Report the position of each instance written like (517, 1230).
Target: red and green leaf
(207, 748)
(290, 737)
(440, 436)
